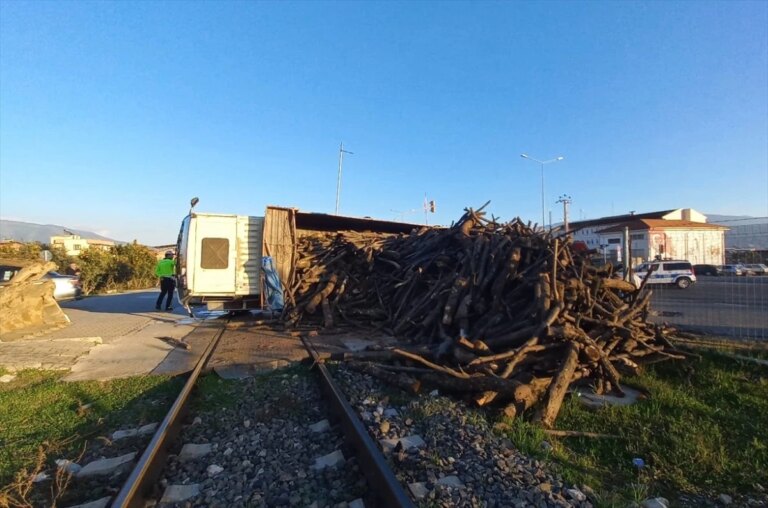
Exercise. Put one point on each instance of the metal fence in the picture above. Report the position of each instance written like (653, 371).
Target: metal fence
(727, 306)
(730, 306)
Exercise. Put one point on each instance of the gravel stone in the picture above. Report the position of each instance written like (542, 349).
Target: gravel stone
(321, 426)
(179, 493)
(655, 502)
(105, 466)
(214, 469)
(193, 451)
(725, 499)
(99, 503)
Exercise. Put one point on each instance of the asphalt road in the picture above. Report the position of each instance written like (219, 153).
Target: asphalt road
(726, 306)
(113, 336)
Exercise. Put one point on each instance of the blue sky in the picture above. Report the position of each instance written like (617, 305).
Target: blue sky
(120, 112)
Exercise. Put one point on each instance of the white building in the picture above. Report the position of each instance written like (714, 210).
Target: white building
(683, 233)
(73, 245)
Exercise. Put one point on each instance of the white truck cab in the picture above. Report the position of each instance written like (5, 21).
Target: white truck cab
(219, 261)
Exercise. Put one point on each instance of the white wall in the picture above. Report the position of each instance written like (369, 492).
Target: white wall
(686, 214)
(696, 246)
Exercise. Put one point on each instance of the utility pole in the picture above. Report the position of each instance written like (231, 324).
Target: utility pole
(338, 178)
(565, 200)
(627, 253)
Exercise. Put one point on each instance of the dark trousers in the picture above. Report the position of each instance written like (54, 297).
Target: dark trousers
(167, 285)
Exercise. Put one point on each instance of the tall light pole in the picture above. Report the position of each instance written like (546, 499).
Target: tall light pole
(338, 178)
(541, 163)
(565, 200)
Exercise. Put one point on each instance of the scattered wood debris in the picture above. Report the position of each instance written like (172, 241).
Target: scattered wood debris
(503, 313)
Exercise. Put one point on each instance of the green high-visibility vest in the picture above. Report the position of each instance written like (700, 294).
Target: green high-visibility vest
(165, 268)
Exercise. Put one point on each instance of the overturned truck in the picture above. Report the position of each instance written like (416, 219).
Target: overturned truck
(221, 257)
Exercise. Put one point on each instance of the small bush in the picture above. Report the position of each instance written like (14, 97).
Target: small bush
(129, 266)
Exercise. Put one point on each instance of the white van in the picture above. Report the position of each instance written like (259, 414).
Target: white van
(669, 271)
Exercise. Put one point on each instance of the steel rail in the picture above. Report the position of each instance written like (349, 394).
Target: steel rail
(138, 487)
(386, 489)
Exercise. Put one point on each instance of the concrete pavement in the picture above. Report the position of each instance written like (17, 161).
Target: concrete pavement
(113, 336)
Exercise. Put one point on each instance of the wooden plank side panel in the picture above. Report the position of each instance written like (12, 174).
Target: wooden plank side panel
(249, 245)
(279, 240)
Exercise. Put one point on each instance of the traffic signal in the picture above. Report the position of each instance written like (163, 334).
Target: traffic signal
(432, 206)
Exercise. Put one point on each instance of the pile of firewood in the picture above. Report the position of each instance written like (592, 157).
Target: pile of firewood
(502, 312)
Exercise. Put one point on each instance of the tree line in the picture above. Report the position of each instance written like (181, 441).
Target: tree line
(129, 266)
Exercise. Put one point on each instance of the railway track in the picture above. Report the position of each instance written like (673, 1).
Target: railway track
(313, 436)
(363, 473)
(139, 486)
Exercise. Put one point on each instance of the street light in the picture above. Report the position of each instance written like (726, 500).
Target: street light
(338, 178)
(541, 163)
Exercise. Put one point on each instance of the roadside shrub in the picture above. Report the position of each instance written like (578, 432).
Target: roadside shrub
(129, 266)
(30, 251)
(59, 256)
(135, 266)
(96, 271)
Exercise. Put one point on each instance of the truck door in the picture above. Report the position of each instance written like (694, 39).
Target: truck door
(215, 239)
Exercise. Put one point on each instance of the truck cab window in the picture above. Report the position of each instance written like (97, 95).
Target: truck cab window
(214, 253)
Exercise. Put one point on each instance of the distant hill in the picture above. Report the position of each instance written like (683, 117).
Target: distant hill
(30, 232)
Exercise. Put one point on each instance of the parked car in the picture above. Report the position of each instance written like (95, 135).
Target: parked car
(757, 268)
(67, 286)
(706, 269)
(732, 270)
(669, 271)
(7, 272)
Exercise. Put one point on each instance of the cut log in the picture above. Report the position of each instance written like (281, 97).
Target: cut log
(559, 386)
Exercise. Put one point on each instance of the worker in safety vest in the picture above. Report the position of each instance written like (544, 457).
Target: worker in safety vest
(166, 270)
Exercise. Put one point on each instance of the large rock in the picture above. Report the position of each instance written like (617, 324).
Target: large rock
(26, 301)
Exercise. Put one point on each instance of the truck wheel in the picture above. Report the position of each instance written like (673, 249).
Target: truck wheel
(683, 282)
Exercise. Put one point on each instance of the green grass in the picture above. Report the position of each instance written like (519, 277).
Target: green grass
(40, 413)
(703, 429)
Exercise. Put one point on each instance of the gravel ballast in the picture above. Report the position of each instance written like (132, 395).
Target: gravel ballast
(263, 451)
(462, 462)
